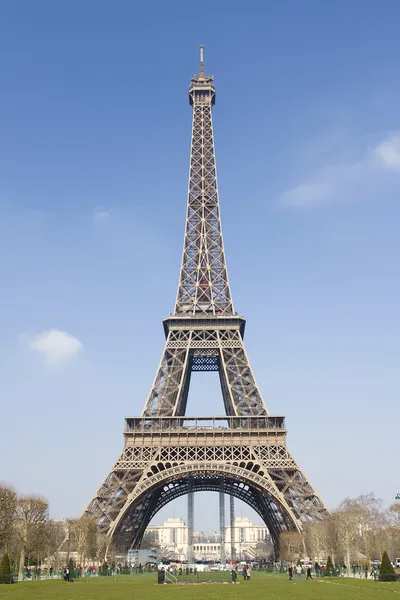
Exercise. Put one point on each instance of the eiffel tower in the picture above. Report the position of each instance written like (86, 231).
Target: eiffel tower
(167, 454)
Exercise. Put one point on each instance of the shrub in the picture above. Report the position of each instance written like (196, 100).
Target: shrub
(5, 570)
(387, 572)
(329, 563)
(71, 568)
(330, 569)
(5, 566)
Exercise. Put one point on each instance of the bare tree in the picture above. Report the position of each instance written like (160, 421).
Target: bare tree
(8, 503)
(346, 526)
(291, 545)
(101, 542)
(360, 529)
(54, 538)
(372, 523)
(393, 515)
(264, 549)
(91, 540)
(316, 539)
(150, 540)
(84, 532)
(31, 515)
(392, 532)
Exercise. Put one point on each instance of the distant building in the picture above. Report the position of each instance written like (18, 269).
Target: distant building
(172, 537)
(246, 537)
(207, 551)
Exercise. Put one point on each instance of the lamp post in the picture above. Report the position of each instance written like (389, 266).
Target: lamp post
(69, 540)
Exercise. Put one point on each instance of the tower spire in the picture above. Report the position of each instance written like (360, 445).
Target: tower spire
(201, 74)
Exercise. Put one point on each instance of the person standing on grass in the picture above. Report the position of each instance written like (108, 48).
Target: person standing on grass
(244, 572)
(309, 576)
(290, 571)
(234, 575)
(248, 572)
(299, 571)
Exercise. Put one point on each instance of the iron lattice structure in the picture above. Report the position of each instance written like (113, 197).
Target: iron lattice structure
(166, 454)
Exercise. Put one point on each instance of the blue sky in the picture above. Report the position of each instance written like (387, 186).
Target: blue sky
(94, 153)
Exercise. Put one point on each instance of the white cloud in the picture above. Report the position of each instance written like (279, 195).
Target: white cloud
(309, 193)
(56, 345)
(100, 216)
(338, 182)
(324, 188)
(387, 153)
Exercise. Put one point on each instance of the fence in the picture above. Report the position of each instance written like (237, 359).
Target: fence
(186, 575)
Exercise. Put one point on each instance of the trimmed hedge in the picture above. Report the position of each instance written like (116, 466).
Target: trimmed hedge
(5, 570)
(387, 572)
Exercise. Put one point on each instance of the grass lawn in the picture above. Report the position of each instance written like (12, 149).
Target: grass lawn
(261, 586)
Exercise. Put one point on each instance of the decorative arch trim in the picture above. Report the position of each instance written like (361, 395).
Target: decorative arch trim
(156, 480)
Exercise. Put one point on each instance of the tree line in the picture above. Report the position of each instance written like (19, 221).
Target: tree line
(359, 531)
(30, 538)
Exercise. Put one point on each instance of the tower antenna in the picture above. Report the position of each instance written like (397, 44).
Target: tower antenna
(201, 74)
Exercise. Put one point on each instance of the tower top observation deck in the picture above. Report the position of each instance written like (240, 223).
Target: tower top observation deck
(201, 85)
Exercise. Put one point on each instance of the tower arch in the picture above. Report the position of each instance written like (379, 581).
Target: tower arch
(242, 483)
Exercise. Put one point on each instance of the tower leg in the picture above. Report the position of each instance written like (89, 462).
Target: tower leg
(190, 556)
(232, 518)
(222, 522)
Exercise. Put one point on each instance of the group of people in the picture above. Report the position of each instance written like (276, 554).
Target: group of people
(33, 573)
(246, 572)
(299, 572)
(67, 575)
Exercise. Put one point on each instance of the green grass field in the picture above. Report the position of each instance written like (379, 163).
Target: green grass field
(261, 586)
